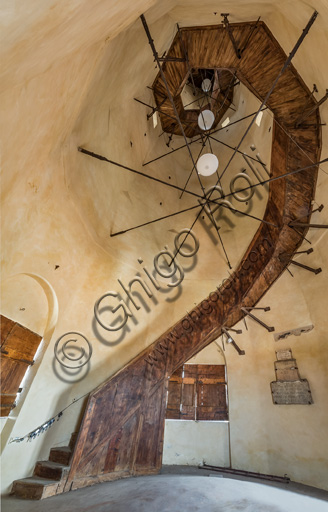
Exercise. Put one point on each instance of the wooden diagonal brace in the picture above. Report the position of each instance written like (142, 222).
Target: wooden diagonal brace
(234, 344)
(230, 339)
(171, 59)
(306, 114)
(247, 312)
(225, 22)
(314, 270)
(309, 251)
(284, 258)
(306, 225)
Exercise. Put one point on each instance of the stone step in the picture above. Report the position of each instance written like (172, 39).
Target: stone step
(35, 488)
(51, 470)
(62, 455)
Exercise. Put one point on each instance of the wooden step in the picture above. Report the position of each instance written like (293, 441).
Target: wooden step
(73, 440)
(35, 488)
(62, 455)
(51, 470)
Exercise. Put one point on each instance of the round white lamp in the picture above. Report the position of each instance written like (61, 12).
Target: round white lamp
(207, 164)
(206, 119)
(206, 85)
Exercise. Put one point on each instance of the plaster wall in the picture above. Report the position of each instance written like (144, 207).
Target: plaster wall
(69, 77)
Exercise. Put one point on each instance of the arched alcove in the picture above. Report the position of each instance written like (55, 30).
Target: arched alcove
(31, 301)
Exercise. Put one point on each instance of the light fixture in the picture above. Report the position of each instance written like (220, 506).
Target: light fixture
(207, 164)
(206, 119)
(206, 85)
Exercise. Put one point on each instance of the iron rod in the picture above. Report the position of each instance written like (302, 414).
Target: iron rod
(159, 111)
(155, 220)
(242, 472)
(192, 170)
(103, 158)
(285, 175)
(198, 139)
(151, 43)
(231, 147)
(283, 69)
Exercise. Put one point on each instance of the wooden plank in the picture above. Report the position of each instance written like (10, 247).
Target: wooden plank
(5, 410)
(174, 400)
(21, 343)
(12, 373)
(6, 325)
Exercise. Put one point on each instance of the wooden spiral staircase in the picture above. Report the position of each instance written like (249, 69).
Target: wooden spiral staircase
(122, 430)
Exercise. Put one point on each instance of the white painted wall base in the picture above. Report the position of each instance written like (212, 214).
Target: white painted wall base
(196, 442)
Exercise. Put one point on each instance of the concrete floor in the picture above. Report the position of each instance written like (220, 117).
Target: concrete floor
(178, 493)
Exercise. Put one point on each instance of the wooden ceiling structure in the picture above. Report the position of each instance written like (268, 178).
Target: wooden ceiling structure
(122, 430)
(177, 75)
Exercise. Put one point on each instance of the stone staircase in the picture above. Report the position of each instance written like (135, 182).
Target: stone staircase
(49, 476)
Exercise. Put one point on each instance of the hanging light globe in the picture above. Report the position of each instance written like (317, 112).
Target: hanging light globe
(207, 164)
(206, 85)
(206, 119)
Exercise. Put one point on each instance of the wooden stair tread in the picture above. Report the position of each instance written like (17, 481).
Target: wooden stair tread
(35, 488)
(66, 449)
(61, 455)
(51, 464)
(51, 470)
(36, 480)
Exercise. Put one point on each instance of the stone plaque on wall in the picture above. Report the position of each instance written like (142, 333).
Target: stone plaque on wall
(289, 388)
(286, 370)
(284, 354)
(295, 392)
